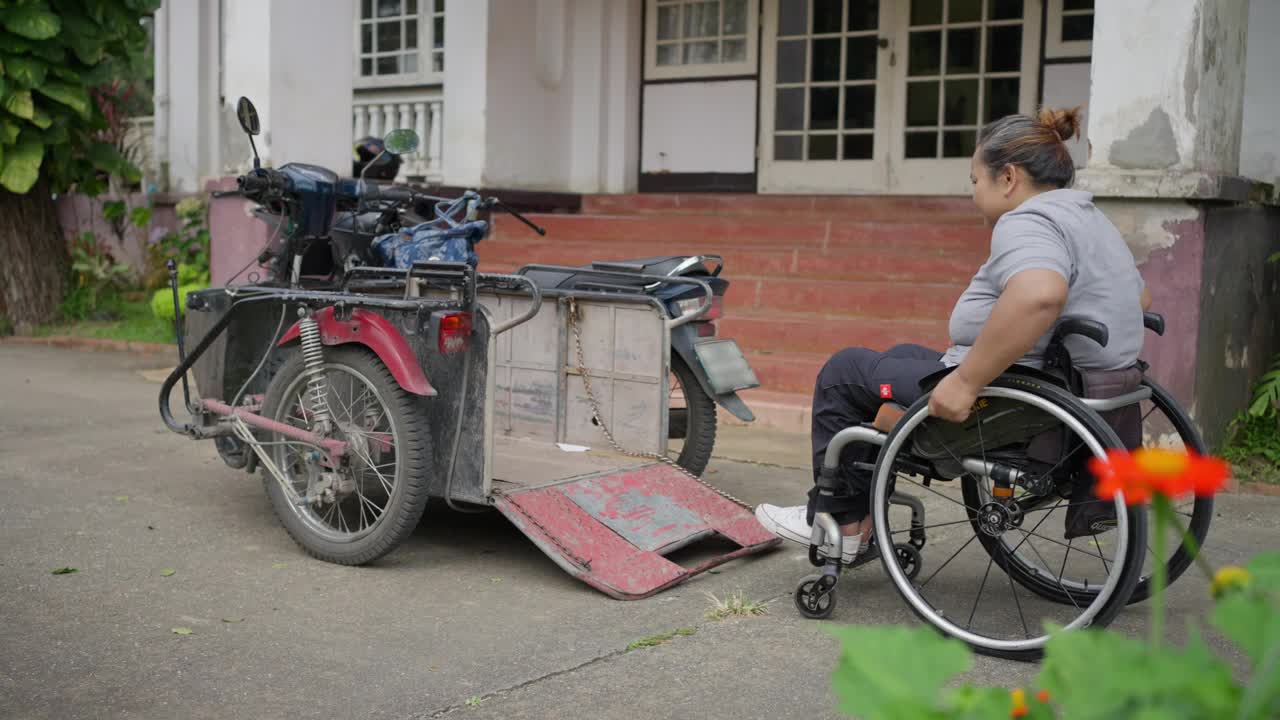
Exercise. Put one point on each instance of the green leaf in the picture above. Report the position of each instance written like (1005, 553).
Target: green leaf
(1274, 257)
(27, 71)
(122, 498)
(53, 52)
(8, 131)
(232, 620)
(64, 571)
(72, 96)
(22, 167)
(33, 21)
(113, 210)
(895, 672)
(41, 119)
(140, 217)
(19, 103)
(182, 631)
(87, 49)
(105, 157)
(167, 572)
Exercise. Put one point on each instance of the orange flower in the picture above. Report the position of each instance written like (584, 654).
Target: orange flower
(1149, 471)
(1020, 708)
(1043, 696)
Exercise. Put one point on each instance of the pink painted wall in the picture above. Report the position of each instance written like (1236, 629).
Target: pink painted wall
(236, 237)
(79, 214)
(1174, 276)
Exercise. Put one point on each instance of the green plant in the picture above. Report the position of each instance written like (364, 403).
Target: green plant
(734, 605)
(892, 673)
(189, 246)
(96, 278)
(660, 638)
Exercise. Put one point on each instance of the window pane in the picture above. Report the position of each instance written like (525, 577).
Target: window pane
(366, 38)
(1004, 9)
(789, 113)
(921, 145)
(1077, 4)
(734, 50)
(669, 22)
(962, 51)
(860, 59)
(924, 53)
(411, 63)
(410, 7)
(826, 60)
(824, 106)
(864, 15)
(439, 6)
(1002, 98)
(735, 17)
(1004, 48)
(793, 17)
(1077, 27)
(669, 54)
(965, 11)
(388, 65)
(388, 36)
(827, 16)
(858, 147)
(788, 147)
(701, 19)
(437, 62)
(859, 107)
(366, 9)
(926, 12)
(437, 39)
(959, 143)
(701, 52)
(410, 34)
(791, 61)
(366, 66)
(822, 147)
(922, 103)
(388, 8)
(961, 103)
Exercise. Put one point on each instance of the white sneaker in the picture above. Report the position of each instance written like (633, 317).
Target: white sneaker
(789, 523)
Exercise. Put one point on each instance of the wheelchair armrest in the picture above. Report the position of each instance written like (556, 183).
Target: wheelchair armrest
(1091, 329)
(1153, 322)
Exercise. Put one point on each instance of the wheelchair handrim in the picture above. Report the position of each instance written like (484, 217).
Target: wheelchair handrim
(911, 594)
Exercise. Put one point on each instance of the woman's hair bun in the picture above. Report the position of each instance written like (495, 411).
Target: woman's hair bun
(1064, 122)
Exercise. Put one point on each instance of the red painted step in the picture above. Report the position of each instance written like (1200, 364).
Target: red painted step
(872, 208)
(787, 371)
(915, 264)
(826, 335)
(705, 233)
(902, 301)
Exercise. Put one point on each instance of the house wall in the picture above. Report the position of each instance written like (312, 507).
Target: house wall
(1260, 144)
(700, 127)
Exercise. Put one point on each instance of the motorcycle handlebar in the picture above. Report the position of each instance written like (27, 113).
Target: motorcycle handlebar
(260, 181)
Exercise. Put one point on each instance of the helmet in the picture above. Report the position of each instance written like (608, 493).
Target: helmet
(366, 149)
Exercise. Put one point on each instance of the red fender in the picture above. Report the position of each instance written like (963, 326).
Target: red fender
(376, 333)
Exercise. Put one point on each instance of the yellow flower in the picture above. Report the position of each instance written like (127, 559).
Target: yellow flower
(1229, 579)
(1159, 461)
(1019, 698)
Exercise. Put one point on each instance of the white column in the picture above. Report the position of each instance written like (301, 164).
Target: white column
(466, 81)
(375, 120)
(406, 120)
(361, 121)
(388, 118)
(435, 141)
(188, 94)
(1168, 86)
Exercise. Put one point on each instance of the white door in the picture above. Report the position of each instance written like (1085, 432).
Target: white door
(867, 96)
(825, 95)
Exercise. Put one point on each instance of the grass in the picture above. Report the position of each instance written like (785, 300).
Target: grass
(660, 638)
(1253, 448)
(474, 701)
(133, 321)
(734, 605)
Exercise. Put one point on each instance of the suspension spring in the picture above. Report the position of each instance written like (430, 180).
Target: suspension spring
(313, 369)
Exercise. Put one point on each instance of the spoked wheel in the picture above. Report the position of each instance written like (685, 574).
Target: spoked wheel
(691, 428)
(361, 510)
(989, 561)
(816, 596)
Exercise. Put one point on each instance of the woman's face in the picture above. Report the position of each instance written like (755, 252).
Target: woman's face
(994, 194)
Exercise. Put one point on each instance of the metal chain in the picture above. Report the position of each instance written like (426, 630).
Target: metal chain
(599, 417)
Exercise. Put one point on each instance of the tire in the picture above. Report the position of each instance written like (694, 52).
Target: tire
(695, 424)
(1122, 577)
(410, 438)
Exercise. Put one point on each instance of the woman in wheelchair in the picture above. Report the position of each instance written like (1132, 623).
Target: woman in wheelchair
(1054, 256)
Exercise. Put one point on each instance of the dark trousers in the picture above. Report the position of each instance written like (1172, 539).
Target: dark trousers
(850, 389)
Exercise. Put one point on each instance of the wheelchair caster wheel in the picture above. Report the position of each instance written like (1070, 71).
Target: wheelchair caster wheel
(816, 596)
(908, 558)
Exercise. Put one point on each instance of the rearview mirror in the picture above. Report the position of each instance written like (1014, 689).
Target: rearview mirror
(248, 115)
(400, 142)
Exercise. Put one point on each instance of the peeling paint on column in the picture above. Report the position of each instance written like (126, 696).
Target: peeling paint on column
(1150, 146)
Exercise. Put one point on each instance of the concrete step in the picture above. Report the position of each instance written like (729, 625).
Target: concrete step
(879, 208)
(783, 411)
(705, 233)
(907, 264)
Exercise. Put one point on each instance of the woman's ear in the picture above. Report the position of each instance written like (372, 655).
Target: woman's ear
(1008, 179)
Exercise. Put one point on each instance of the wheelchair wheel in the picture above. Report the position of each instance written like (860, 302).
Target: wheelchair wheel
(990, 596)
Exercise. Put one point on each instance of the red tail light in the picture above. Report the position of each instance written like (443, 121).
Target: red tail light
(453, 332)
(713, 313)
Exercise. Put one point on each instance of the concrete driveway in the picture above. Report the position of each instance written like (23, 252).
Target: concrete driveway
(467, 619)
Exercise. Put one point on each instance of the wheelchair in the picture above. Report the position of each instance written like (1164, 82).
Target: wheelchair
(999, 571)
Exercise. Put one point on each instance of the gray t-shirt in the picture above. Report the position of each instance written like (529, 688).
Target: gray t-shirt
(1062, 231)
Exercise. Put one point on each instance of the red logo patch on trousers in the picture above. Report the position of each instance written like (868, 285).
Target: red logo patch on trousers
(886, 392)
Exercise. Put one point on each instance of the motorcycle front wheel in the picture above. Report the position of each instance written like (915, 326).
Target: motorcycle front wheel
(691, 428)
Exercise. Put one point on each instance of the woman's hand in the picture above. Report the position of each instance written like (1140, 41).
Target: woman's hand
(953, 398)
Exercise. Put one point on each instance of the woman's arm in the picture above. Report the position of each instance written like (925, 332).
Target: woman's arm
(1028, 307)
